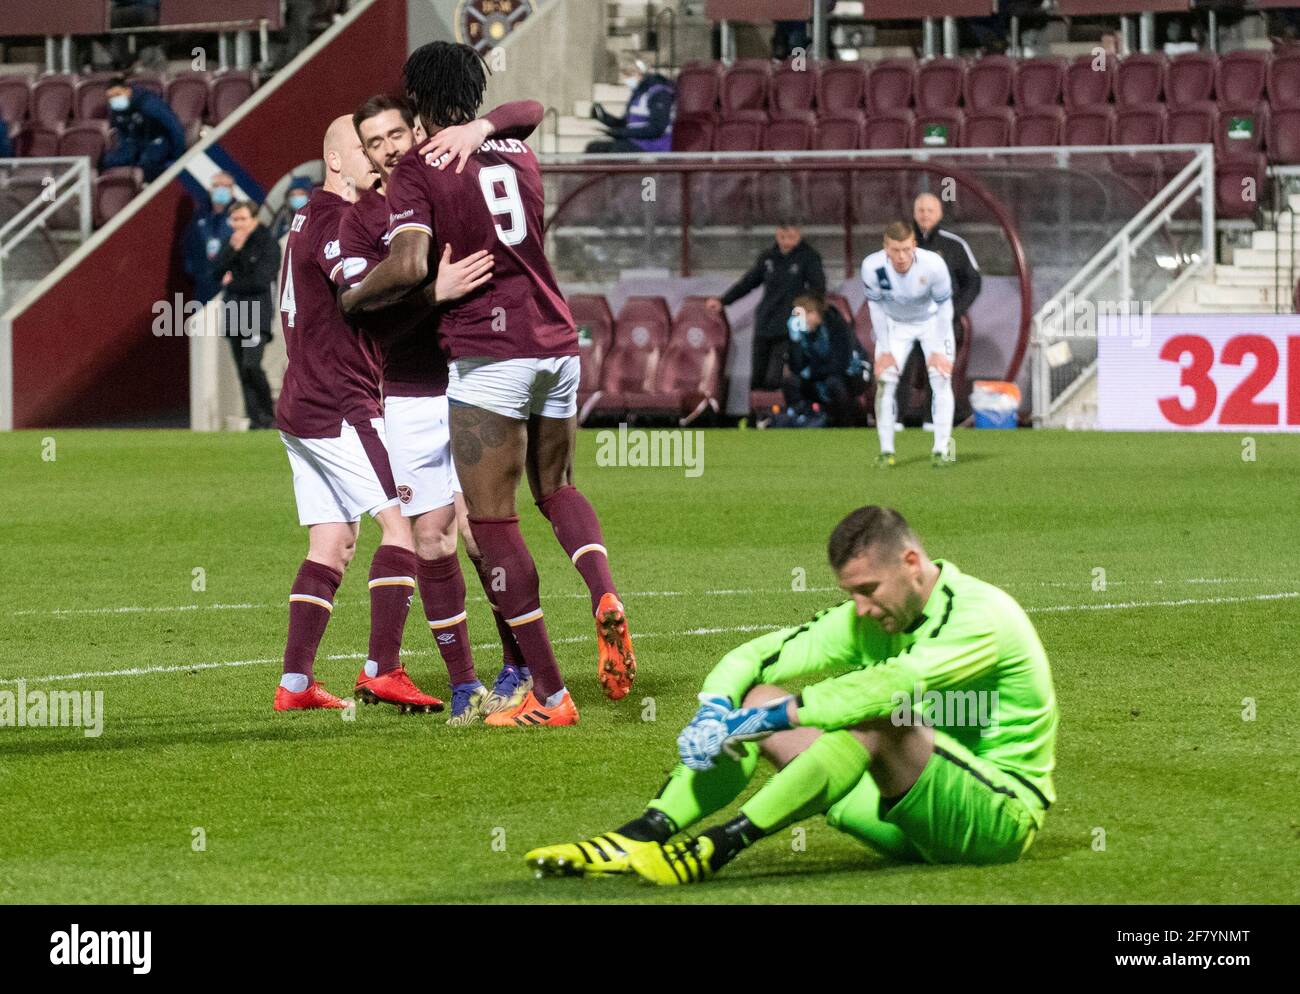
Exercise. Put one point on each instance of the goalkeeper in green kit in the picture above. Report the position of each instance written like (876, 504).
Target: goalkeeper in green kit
(926, 726)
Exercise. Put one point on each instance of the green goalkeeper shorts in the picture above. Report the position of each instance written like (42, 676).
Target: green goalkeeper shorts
(962, 809)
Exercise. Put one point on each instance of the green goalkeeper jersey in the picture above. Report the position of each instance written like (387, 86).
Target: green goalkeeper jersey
(971, 665)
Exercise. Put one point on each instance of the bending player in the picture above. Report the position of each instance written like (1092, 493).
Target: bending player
(909, 293)
(330, 419)
(512, 352)
(967, 784)
(415, 407)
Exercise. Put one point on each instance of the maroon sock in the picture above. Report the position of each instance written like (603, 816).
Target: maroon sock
(392, 583)
(310, 603)
(575, 524)
(442, 591)
(509, 648)
(503, 549)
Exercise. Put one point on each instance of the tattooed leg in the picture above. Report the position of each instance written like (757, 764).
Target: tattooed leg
(489, 450)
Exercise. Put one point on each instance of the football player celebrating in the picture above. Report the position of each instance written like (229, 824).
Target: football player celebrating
(865, 743)
(415, 408)
(330, 418)
(909, 295)
(513, 369)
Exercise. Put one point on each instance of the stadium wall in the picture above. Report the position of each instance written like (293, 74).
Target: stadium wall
(81, 349)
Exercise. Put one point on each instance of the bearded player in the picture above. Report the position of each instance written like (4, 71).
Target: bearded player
(331, 420)
(513, 369)
(415, 408)
(968, 781)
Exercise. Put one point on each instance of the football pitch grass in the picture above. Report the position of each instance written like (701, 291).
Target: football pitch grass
(155, 567)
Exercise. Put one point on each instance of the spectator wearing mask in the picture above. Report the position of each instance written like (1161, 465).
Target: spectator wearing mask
(207, 233)
(789, 268)
(648, 124)
(825, 360)
(295, 199)
(247, 268)
(147, 134)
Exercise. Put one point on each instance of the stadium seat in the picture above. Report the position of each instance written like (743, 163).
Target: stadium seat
(1139, 79)
(1284, 79)
(826, 192)
(693, 134)
(1038, 83)
(1085, 86)
(790, 134)
(792, 91)
(988, 128)
(838, 133)
(1189, 124)
(887, 129)
(989, 83)
(37, 140)
(785, 192)
(87, 138)
(187, 95)
(1242, 130)
(1189, 78)
(1231, 190)
(689, 379)
(90, 99)
(939, 84)
(744, 87)
(697, 90)
(841, 87)
(739, 135)
(1141, 124)
(1088, 125)
(628, 373)
(228, 89)
(643, 321)
(890, 85)
(52, 99)
(1284, 136)
(1241, 78)
(15, 98)
(149, 82)
(595, 334)
(114, 189)
(730, 197)
(937, 129)
(1038, 127)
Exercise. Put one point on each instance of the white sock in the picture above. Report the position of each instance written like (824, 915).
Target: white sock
(941, 408)
(295, 683)
(555, 698)
(886, 414)
(372, 668)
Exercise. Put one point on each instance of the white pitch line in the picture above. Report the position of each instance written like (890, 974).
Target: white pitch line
(570, 640)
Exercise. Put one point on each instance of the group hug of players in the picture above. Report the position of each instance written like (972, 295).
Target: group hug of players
(433, 362)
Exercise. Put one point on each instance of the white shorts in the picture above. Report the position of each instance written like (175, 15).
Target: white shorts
(898, 340)
(419, 447)
(339, 479)
(517, 388)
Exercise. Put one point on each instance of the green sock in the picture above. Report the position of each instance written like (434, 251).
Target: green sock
(818, 777)
(690, 795)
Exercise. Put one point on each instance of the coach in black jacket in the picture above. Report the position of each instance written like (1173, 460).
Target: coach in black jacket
(789, 268)
(247, 267)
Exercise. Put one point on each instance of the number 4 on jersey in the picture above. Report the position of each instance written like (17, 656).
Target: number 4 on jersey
(286, 295)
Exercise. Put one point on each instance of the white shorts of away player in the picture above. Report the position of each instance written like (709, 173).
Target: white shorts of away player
(899, 338)
(517, 388)
(340, 479)
(419, 447)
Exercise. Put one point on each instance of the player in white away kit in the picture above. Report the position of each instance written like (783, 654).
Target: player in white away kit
(909, 292)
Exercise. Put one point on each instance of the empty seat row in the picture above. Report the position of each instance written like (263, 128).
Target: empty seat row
(54, 99)
(647, 360)
(113, 189)
(88, 138)
(1245, 77)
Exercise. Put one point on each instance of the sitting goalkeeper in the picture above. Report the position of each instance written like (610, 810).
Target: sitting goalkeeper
(825, 361)
(875, 742)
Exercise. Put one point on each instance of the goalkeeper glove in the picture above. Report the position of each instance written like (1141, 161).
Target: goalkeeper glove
(703, 740)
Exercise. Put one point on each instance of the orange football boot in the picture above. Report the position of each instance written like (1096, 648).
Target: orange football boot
(395, 687)
(315, 696)
(617, 661)
(531, 713)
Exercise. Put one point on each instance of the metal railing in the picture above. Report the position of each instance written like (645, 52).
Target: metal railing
(68, 179)
(1057, 377)
(1285, 179)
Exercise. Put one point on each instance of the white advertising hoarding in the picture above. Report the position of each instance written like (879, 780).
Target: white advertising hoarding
(1199, 372)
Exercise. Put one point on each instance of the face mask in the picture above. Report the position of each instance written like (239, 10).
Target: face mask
(631, 81)
(298, 201)
(119, 103)
(222, 195)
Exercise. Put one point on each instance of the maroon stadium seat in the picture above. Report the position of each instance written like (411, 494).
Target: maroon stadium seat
(591, 311)
(693, 134)
(1189, 78)
(1038, 83)
(1189, 124)
(1142, 124)
(838, 133)
(147, 81)
(890, 85)
(887, 129)
(744, 87)
(1284, 79)
(689, 380)
(697, 90)
(643, 321)
(15, 98)
(740, 135)
(187, 95)
(1230, 186)
(1242, 130)
(989, 128)
(1140, 79)
(1284, 136)
(793, 91)
(87, 138)
(937, 129)
(114, 189)
(1041, 126)
(730, 196)
(785, 192)
(939, 84)
(1241, 78)
(880, 194)
(228, 89)
(826, 192)
(989, 83)
(840, 89)
(628, 372)
(694, 318)
(790, 135)
(1088, 126)
(1085, 86)
(90, 99)
(52, 99)
(37, 140)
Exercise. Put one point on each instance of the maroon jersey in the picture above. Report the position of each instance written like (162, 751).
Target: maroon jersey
(333, 372)
(413, 364)
(495, 204)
